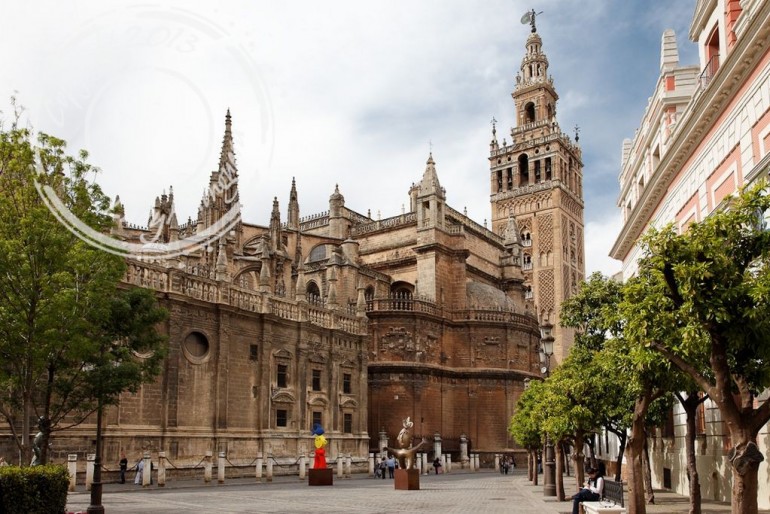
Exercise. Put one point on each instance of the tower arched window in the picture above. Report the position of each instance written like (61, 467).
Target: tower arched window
(523, 169)
(529, 111)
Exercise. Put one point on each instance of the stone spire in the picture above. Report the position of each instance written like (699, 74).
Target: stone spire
(429, 183)
(293, 215)
(275, 227)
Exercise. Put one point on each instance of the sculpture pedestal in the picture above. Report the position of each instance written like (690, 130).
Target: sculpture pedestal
(321, 476)
(407, 479)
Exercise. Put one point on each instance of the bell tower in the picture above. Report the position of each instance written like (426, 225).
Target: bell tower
(537, 179)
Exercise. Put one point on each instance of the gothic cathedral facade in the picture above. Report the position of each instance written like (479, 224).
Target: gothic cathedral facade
(355, 323)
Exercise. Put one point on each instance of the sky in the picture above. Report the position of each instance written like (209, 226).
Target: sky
(342, 92)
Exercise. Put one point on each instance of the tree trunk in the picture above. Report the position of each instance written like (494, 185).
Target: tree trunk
(634, 449)
(26, 429)
(535, 470)
(559, 471)
(745, 458)
(530, 465)
(690, 406)
(650, 493)
(621, 435)
(579, 460)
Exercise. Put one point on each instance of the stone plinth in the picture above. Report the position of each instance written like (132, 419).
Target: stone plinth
(407, 479)
(321, 477)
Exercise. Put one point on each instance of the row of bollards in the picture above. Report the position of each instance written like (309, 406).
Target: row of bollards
(344, 464)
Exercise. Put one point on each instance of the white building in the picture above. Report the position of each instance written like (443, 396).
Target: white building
(705, 133)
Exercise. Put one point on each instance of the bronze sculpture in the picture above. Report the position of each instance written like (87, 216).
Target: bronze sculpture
(405, 454)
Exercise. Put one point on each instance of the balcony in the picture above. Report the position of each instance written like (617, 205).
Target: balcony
(708, 71)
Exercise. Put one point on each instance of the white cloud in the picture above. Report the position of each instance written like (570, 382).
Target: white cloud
(338, 92)
(600, 236)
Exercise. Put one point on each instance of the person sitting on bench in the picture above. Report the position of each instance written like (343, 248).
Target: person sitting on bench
(591, 492)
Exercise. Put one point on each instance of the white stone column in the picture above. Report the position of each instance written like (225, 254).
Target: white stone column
(207, 467)
(497, 463)
(418, 462)
(348, 465)
(371, 464)
(383, 449)
(221, 468)
(147, 471)
(443, 463)
(463, 451)
(425, 465)
(448, 463)
(259, 467)
(476, 464)
(161, 469)
(340, 474)
(302, 466)
(90, 470)
(72, 467)
(437, 445)
(270, 466)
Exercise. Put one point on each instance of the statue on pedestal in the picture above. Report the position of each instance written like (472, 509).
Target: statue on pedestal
(404, 453)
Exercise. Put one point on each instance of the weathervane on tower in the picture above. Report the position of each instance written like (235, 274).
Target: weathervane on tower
(529, 17)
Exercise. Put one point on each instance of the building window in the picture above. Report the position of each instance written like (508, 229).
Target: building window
(282, 375)
(347, 422)
(346, 386)
(253, 352)
(317, 419)
(316, 380)
(281, 418)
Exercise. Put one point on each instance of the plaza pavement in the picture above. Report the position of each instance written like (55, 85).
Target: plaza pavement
(456, 492)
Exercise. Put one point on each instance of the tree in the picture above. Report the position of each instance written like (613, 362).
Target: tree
(703, 302)
(525, 425)
(68, 335)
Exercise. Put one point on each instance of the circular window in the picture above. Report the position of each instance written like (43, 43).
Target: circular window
(196, 347)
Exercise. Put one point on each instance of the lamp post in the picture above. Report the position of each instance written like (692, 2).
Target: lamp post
(549, 468)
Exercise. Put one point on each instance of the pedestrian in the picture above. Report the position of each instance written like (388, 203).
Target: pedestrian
(391, 466)
(2, 462)
(383, 467)
(139, 478)
(591, 492)
(437, 465)
(505, 465)
(123, 467)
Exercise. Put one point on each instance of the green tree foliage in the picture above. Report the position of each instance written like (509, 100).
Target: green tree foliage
(67, 332)
(702, 301)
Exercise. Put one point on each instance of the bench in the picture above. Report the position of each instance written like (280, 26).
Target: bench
(611, 502)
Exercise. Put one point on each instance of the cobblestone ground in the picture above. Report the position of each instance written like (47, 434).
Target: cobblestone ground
(483, 492)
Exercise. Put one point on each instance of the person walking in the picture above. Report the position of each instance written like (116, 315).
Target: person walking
(123, 467)
(437, 465)
(391, 466)
(383, 467)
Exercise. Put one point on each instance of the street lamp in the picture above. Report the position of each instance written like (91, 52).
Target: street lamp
(546, 350)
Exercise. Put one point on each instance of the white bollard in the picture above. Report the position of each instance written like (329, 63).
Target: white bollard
(72, 466)
(348, 465)
(221, 468)
(161, 469)
(259, 467)
(302, 467)
(497, 463)
(448, 463)
(476, 464)
(207, 467)
(371, 464)
(269, 467)
(90, 470)
(147, 472)
(418, 463)
(443, 463)
(425, 466)
(339, 466)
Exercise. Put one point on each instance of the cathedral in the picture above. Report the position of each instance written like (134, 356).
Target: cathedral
(355, 323)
